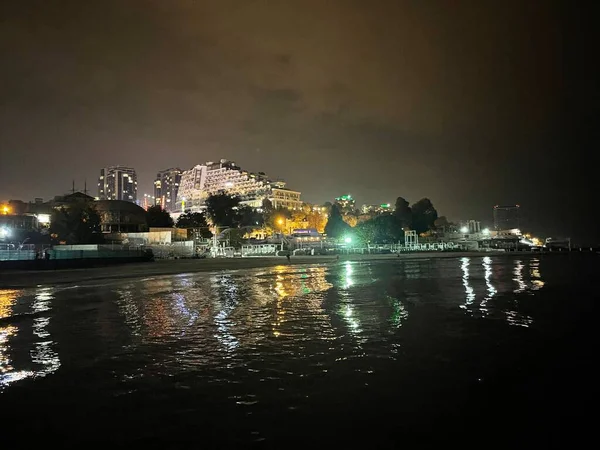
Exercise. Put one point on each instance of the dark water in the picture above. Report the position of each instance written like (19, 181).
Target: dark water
(372, 352)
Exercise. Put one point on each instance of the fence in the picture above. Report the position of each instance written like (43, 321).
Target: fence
(99, 253)
(259, 250)
(11, 252)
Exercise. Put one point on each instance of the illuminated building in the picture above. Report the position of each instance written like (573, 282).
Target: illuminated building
(506, 217)
(346, 204)
(204, 180)
(281, 197)
(166, 187)
(117, 183)
(376, 209)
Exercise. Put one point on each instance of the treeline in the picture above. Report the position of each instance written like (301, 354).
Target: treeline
(385, 228)
(80, 224)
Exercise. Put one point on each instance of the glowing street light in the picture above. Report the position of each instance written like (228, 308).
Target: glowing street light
(486, 231)
(5, 209)
(280, 221)
(347, 239)
(464, 230)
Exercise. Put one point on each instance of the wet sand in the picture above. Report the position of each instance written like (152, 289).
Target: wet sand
(30, 278)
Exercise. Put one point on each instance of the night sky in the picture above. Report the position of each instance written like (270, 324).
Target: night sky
(469, 103)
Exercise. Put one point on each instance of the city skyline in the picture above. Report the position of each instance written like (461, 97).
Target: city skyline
(471, 105)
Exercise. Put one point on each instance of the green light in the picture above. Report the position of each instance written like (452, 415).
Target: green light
(347, 239)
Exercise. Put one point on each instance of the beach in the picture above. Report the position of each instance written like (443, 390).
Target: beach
(30, 278)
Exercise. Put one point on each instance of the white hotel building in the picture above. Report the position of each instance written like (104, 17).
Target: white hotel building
(204, 180)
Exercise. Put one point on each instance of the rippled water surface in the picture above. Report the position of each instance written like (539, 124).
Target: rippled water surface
(342, 351)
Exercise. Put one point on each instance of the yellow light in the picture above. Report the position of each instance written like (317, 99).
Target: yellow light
(5, 209)
(280, 221)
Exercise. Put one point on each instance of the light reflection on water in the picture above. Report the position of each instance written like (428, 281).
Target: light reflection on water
(261, 317)
(488, 281)
(470, 292)
(43, 359)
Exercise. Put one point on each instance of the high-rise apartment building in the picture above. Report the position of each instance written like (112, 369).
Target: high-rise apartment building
(117, 183)
(166, 187)
(202, 181)
(506, 217)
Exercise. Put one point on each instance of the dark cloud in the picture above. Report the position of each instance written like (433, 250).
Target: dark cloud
(470, 103)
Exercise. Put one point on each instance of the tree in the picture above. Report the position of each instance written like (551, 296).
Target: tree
(195, 221)
(424, 215)
(267, 205)
(77, 224)
(350, 219)
(388, 229)
(441, 223)
(157, 217)
(381, 229)
(275, 216)
(403, 213)
(222, 210)
(366, 231)
(250, 217)
(316, 220)
(336, 227)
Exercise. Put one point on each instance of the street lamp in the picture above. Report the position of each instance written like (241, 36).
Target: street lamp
(4, 232)
(486, 231)
(464, 230)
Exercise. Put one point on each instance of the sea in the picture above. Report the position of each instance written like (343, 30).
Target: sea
(479, 350)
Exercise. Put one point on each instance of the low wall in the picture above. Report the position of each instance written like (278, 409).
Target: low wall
(16, 255)
(95, 254)
(57, 264)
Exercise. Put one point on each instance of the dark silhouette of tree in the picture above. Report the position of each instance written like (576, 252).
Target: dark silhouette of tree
(267, 205)
(77, 224)
(442, 224)
(336, 227)
(403, 213)
(388, 230)
(424, 215)
(235, 237)
(222, 209)
(381, 229)
(250, 217)
(157, 217)
(196, 221)
(366, 232)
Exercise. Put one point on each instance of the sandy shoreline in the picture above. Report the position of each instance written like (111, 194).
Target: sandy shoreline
(23, 279)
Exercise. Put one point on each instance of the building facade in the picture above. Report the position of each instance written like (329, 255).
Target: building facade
(166, 187)
(376, 209)
(506, 217)
(117, 183)
(118, 216)
(204, 180)
(280, 197)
